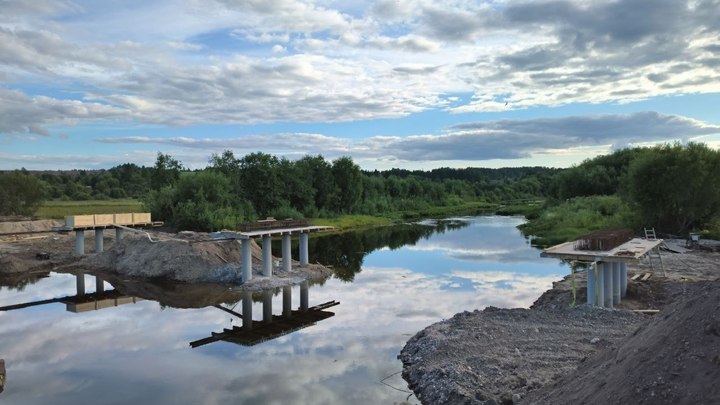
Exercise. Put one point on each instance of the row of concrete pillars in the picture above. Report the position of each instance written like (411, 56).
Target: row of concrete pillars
(247, 304)
(267, 262)
(606, 287)
(80, 240)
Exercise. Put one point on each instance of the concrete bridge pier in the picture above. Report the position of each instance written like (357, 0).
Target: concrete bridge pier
(246, 260)
(80, 284)
(623, 279)
(80, 242)
(99, 285)
(617, 283)
(287, 300)
(119, 234)
(303, 249)
(304, 296)
(247, 306)
(600, 282)
(608, 286)
(267, 305)
(286, 253)
(98, 241)
(267, 255)
(591, 297)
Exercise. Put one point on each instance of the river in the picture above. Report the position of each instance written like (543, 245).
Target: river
(391, 282)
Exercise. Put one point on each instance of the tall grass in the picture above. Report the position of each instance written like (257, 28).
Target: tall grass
(60, 209)
(577, 217)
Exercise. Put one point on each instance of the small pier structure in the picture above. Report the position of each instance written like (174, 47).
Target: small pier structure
(607, 280)
(98, 223)
(266, 230)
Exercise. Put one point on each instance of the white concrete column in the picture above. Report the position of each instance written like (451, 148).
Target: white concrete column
(119, 234)
(303, 250)
(591, 297)
(616, 283)
(607, 268)
(246, 260)
(247, 306)
(80, 242)
(286, 253)
(623, 279)
(304, 296)
(98, 241)
(80, 284)
(600, 284)
(99, 285)
(267, 305)
(267, 255)
(287, 300)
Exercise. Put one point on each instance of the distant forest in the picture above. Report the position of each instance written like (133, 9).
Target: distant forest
(675, 188)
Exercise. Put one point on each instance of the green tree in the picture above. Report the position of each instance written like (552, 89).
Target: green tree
(20, 193)
(674, 187)
(165, 172)
(348, 184)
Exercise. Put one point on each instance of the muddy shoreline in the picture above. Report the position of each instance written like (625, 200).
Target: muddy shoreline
(523, 356)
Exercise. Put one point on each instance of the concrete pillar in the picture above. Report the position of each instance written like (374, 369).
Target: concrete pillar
(267, 305)
(303, 250)
(616, 283)
(623, 279)
(600, 284)
(246, 260)
(247, 306)
(607, 269)
(591, 297)
(267, 255)
(119, 234)
(286, 253)
(287, 300)
(80, 284)
(304, 299)
(80, 242)
(98, 241)
(99, 285)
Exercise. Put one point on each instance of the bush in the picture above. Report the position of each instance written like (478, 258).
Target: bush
(20, 193)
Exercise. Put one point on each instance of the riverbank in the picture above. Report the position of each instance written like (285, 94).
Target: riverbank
(503, 356)
(185, 257)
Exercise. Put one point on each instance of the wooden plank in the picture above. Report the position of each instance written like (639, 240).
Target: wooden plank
(636, 276)
(646, 277)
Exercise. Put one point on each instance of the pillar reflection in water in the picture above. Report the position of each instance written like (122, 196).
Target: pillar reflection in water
(247, 305)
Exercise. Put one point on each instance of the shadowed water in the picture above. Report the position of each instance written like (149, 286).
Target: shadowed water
(391, 283)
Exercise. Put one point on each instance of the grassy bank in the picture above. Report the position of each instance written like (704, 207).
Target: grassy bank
(360, 221)
(577, 217)
(59, 209)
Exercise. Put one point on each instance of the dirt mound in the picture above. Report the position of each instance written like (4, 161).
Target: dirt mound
(675, 359)
(486, 357)
(29, 226)
(192, 257)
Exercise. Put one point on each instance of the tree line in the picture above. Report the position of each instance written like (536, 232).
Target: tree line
(674, 188)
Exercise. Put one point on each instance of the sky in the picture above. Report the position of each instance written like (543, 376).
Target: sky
(414, 84)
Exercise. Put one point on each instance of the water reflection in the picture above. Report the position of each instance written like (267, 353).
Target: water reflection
(271, 326)
(139, 353)
(346, 251)
(81, 301)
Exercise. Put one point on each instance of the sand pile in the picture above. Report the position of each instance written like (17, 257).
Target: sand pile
(29, 226)
(675, 359)
(192, 257)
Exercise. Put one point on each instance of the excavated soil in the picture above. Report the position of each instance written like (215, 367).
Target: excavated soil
(502, 356)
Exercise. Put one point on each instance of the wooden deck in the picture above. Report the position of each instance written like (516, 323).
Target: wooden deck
(630, 251)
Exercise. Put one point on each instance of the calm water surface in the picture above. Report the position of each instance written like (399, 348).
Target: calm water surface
(391, 283)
